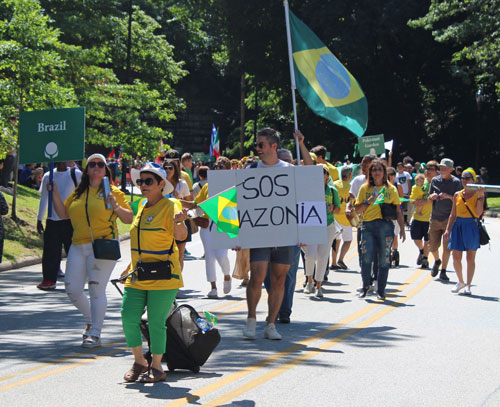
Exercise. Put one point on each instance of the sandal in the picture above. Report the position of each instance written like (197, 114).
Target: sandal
(91, 342)
(133, 374)
(153, 376)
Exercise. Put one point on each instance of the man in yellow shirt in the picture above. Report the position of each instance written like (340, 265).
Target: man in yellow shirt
(320, 152)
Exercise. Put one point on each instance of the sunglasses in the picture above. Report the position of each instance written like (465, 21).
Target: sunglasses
(146, 181)
(431, 169)
(168, 168)
(259, 145)
(467, 178)
(93, 164)
(377, 170)
(392, 174)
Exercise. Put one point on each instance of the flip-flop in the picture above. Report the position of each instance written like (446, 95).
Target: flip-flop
(153, 376)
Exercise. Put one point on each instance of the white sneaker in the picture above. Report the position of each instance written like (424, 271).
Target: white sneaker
(227, 286)
(271, 333)
(309, 288)
(467, 290)
(319, 292)
(212, 293)
(249, 330)
(458, 287)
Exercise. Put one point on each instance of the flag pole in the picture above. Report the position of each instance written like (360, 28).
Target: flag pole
(292, 74)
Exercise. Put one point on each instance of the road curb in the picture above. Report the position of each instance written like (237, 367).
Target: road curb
(31, 260)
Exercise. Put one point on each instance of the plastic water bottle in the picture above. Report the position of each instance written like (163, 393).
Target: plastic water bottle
(204, 325)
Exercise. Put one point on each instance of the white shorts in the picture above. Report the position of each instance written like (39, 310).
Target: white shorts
(346, 233)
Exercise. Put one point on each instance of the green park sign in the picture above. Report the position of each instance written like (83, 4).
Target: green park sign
(371, 145)
(52, 135)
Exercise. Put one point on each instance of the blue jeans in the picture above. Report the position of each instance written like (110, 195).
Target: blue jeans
(291, 280)
(376, 237)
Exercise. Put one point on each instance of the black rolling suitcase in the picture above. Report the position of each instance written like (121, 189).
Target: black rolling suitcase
(188, 345)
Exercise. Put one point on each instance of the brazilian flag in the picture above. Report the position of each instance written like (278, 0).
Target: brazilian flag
(223, 210)
(325, 84)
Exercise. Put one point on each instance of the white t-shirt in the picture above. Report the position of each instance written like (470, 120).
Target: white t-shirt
(403, 179)
(182, 188)
(356, 184)
(280, 163)
(65, 186)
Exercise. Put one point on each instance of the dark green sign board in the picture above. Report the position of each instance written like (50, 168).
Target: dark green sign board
(52, 135)
(371, 145)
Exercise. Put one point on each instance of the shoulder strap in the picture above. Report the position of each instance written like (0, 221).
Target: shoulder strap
(87, 213)
(73, 176)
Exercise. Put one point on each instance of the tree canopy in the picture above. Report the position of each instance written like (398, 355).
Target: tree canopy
(420, 63)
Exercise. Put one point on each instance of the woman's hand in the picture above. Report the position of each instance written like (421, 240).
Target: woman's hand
(180, 216)
(112, 201)
(446, 235)
(402, 235)
(330, 208)
(480, 192)
(124, 273)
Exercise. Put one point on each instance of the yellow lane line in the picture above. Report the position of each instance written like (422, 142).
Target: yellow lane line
(279, 355)
(59, 370)
(312, 353)
(236, 307)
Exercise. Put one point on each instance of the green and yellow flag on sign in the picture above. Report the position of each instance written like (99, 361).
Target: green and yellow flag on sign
(223, 210)
(325, 84)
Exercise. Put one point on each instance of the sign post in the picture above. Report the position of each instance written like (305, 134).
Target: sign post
(52, 136)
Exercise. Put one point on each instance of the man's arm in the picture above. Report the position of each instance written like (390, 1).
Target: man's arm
(304, 152)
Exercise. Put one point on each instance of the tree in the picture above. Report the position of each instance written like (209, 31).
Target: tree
(29, 67)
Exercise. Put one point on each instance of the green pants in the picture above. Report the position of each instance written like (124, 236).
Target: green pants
(158, 303)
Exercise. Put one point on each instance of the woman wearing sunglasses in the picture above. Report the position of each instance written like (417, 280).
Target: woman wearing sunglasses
(180, 191)
(462, 229)
(82, 266)
(376, 232)
(152, 239)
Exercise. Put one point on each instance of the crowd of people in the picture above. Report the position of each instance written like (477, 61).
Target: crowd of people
(381, 203)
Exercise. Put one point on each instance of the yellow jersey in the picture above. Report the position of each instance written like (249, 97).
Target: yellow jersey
(373, 211)
(343, 188)
(102, 220)
(418, 192)
(334, 172)
(202, 196)
(185, 176)
(157, 237)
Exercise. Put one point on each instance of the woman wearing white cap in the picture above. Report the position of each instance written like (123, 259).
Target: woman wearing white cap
(82, 266)
(152, 242)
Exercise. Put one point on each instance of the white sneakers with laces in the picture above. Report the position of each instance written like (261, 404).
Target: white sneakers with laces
(271, 333)
(309, 288)
(227, 286)
(212, 293)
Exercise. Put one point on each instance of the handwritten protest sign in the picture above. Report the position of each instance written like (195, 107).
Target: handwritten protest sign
(278, 206)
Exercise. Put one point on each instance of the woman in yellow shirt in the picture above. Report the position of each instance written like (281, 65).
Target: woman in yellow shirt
(82, 266)
(152, 240)
(377, 233)
(462, 229)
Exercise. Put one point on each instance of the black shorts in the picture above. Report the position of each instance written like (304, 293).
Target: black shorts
(419, 230)
(278, 255)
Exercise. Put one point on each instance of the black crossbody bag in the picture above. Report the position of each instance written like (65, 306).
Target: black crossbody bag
(484, 238)
(157, 270)
(104, 249)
